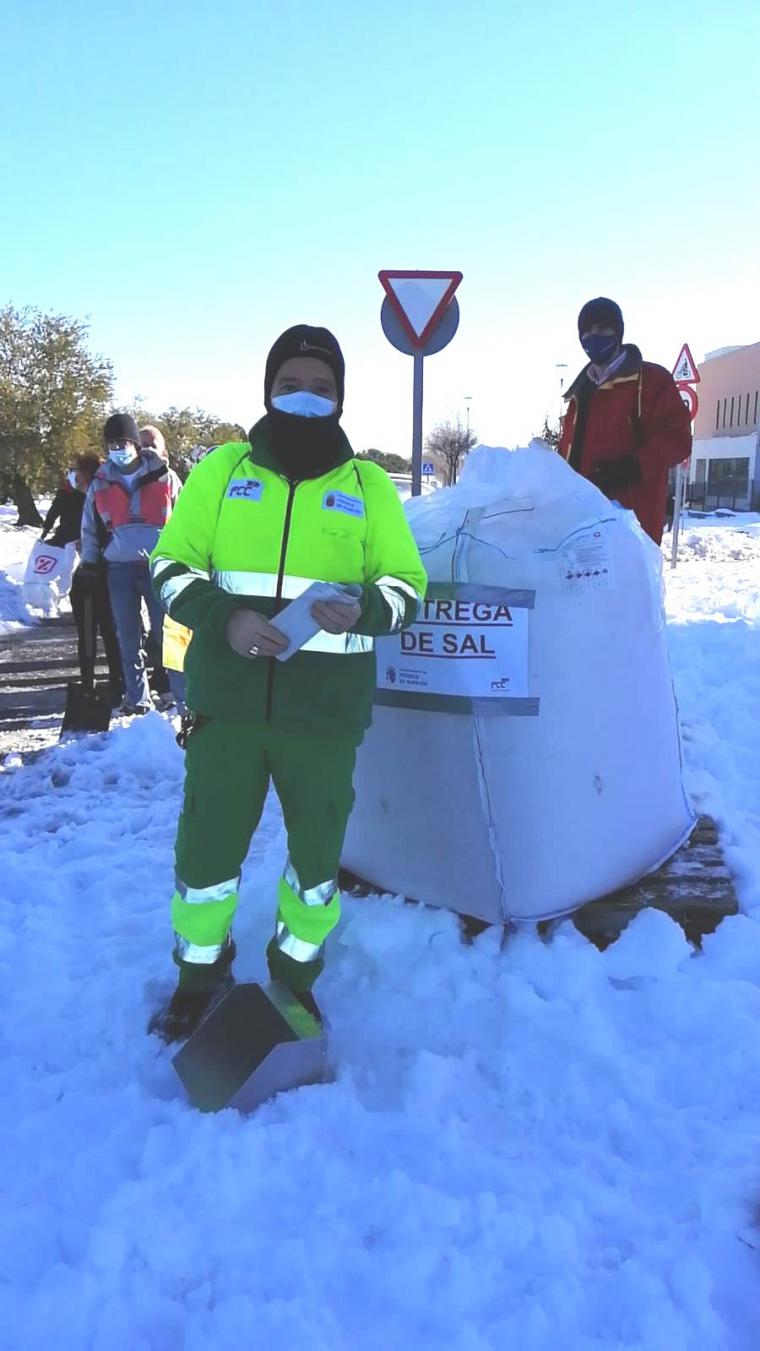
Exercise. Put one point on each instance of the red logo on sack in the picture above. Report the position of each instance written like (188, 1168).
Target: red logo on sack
(44, 564)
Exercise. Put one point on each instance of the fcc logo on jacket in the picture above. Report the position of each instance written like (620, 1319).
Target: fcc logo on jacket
(245, 489)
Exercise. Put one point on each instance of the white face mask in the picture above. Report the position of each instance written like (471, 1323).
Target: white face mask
(72, 477)
(302, 403)
(122, 458)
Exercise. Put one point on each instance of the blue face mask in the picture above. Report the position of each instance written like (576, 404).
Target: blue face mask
(122, 458)
(600, 348)
(302, 403)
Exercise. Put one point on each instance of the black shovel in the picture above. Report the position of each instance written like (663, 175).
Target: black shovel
(86, 710)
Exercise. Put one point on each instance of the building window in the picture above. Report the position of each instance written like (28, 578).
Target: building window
(717, 417)
(731, 420)
(701, 471)
(746, 411)
(725, 410)
(728, 477)
(757, 395)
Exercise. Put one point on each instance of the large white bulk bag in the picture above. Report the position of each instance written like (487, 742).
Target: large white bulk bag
(524, 757)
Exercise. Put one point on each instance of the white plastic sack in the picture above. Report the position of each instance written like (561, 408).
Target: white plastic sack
(48, 574)
(524, 757)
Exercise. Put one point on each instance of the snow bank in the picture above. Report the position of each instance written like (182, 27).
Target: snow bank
(547, 771)
(536, 1146)
(713, 606)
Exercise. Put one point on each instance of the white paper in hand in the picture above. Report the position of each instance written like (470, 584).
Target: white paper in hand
(296, 621)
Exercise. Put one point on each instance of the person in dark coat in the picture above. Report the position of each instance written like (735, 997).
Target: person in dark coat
(97, 617)
(66, 507)
(625, 424)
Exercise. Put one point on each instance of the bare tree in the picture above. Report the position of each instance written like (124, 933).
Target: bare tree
(448, 443)
(550, 434)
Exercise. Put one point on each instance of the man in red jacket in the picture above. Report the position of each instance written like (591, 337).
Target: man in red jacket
(625, 424)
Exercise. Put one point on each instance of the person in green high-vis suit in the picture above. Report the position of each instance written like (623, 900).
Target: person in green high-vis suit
(256, 523)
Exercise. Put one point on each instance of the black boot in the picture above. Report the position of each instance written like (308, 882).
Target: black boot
(298, 976)
(199, 990)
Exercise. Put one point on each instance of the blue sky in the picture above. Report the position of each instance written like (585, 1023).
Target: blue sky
(195, 177)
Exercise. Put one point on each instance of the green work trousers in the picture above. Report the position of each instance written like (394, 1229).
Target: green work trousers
(229, 766)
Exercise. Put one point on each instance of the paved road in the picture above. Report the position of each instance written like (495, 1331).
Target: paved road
(36, 665)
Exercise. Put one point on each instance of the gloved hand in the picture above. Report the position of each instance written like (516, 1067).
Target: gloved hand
(87, 575)
(611, 475)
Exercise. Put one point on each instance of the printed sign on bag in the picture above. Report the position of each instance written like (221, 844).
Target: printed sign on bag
(43, 564)
(245, 489)
(469, 644)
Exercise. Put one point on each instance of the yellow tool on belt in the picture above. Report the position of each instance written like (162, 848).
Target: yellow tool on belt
(175, 644)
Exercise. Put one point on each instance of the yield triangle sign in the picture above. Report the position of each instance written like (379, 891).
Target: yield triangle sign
(419, 299)
(685, 370)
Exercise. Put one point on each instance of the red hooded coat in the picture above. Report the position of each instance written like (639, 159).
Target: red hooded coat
(639, 412)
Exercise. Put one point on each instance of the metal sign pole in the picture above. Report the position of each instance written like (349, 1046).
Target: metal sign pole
(417, 425)
(419, 317)
(677, 509)
(686, 375)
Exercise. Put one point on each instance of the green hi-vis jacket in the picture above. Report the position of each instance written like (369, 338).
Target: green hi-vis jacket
(242, 535)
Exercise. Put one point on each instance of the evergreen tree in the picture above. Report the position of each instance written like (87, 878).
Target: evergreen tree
(53, 398)
(392, 463)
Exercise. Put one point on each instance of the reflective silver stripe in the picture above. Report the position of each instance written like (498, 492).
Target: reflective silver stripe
(201, 954)
(321, 894)
(294, 947)
(396, 604)
(265, 584)
(396, 582)
(393, 591)
(174, 588)
(261, 584)
(203, 895)
(161, 564)
(339, 644)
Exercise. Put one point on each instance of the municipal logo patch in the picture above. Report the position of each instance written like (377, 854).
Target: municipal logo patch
(245, 489)
(350, 506)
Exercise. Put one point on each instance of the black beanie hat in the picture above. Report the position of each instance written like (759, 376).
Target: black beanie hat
(304, 341)
(601, 311)
(120, 427)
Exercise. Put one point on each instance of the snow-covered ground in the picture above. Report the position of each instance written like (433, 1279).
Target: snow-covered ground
(535, 1146)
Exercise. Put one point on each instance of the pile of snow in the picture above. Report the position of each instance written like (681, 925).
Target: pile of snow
(713, 607)
(535, 1145)
(716, 543)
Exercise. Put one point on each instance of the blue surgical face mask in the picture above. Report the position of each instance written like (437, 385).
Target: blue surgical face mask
(302, 403)
(72, 477)
(600, 348)
(122, 458)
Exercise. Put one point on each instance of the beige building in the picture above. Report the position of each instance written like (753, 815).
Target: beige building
(725, 461)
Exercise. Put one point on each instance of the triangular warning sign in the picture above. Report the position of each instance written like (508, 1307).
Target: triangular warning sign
(419, 299)
(685, 370)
